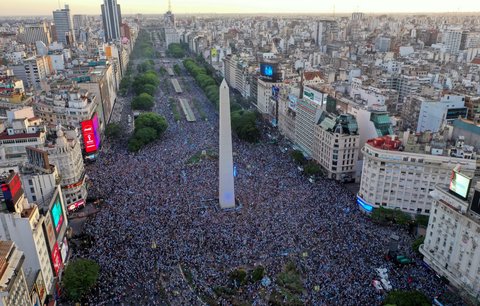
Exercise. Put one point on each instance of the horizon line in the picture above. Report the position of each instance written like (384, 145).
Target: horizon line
(269, 13)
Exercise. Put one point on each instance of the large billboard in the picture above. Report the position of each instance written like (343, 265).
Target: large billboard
(475, 206)
(91, 136)
(57, 214)
(12, 190)
(56, 258)
(459, 184)
(270, 71)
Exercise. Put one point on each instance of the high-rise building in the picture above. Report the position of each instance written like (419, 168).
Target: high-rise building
(401, 174)
(23, 223)
(452, 39)
(36, 32)
(79, 23)
(112, 18)
(64, 26)
(335, 145)
(13, 285)
(452, 238)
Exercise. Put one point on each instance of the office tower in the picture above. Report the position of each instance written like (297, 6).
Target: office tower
(112, 18)
(64, 26)
(36, 32)
(79, 23)
(226, 193)
(452, 39)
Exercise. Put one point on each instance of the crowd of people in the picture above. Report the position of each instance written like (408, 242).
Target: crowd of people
(161, 221)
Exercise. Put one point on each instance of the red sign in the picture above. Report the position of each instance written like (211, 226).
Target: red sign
(76, 205)
(89, 136)
(56, 258)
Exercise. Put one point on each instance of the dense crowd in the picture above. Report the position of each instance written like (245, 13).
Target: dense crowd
(160, 220)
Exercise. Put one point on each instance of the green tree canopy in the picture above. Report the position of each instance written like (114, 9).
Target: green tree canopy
(298, 157)
(79, 277)
(176, 50)
(144, 101)
(146, 134)
(407, 298)
(155, 121)
(245, 126)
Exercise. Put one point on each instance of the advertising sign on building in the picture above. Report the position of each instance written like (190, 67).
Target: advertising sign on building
(56, 259)
(292, 101)
(91, 135)
(88, 136)
(57, 214)
(316, 96)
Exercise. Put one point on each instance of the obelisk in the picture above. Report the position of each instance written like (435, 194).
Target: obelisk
(226, 192)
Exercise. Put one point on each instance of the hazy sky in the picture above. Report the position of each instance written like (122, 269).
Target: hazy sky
(45, 7)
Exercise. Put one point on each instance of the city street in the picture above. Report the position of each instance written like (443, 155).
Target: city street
(161, 219)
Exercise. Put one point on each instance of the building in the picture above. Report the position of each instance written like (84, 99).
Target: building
(79, 24)
(33, 71)
(307, 114)
(452, 39)
(112, 18)
(66, 155)
(64, 26)
(67, 107)
(22, 129)
(467, 129)
(237, 75)
(13, 285)
(36, 32)
(336, 145)
(400, 174)
(452, 240)
(434, 114)
(382, 44)
(22, 223)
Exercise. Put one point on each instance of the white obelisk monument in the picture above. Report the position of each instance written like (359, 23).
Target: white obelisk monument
(226, 192)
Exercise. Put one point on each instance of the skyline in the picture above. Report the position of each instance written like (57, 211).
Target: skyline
(33, 8)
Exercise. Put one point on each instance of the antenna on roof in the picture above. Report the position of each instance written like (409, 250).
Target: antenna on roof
(334, 11)
(169, 6)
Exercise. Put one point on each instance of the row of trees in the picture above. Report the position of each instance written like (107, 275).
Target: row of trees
(206, 82)
(244, 123)
(143, 46)
(148, 128)
(177, 50)
(145, 85)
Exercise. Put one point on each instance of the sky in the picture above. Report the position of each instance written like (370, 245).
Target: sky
(45, 7)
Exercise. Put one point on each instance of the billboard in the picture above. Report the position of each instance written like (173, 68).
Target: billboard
(316, 96)
(11, 190)
(57, 214)
(56, 258)
(292, 102)
(269, 71)
(91, 136)
(459, 184)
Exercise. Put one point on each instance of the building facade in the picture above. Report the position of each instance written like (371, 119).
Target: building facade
(452, 240)
(112, 18)
(13, 285)
(336, 145)
(64, 26)
(395, 179)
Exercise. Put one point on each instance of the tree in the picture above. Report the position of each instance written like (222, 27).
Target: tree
(245, 126)
(311, 168)
(143, 101)
(176, 50)
(176, 68)
(146, 135)
(407, 298)
(152, 120)
(298, 157)
(113, 130)
(134, 144)
(79, 277)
